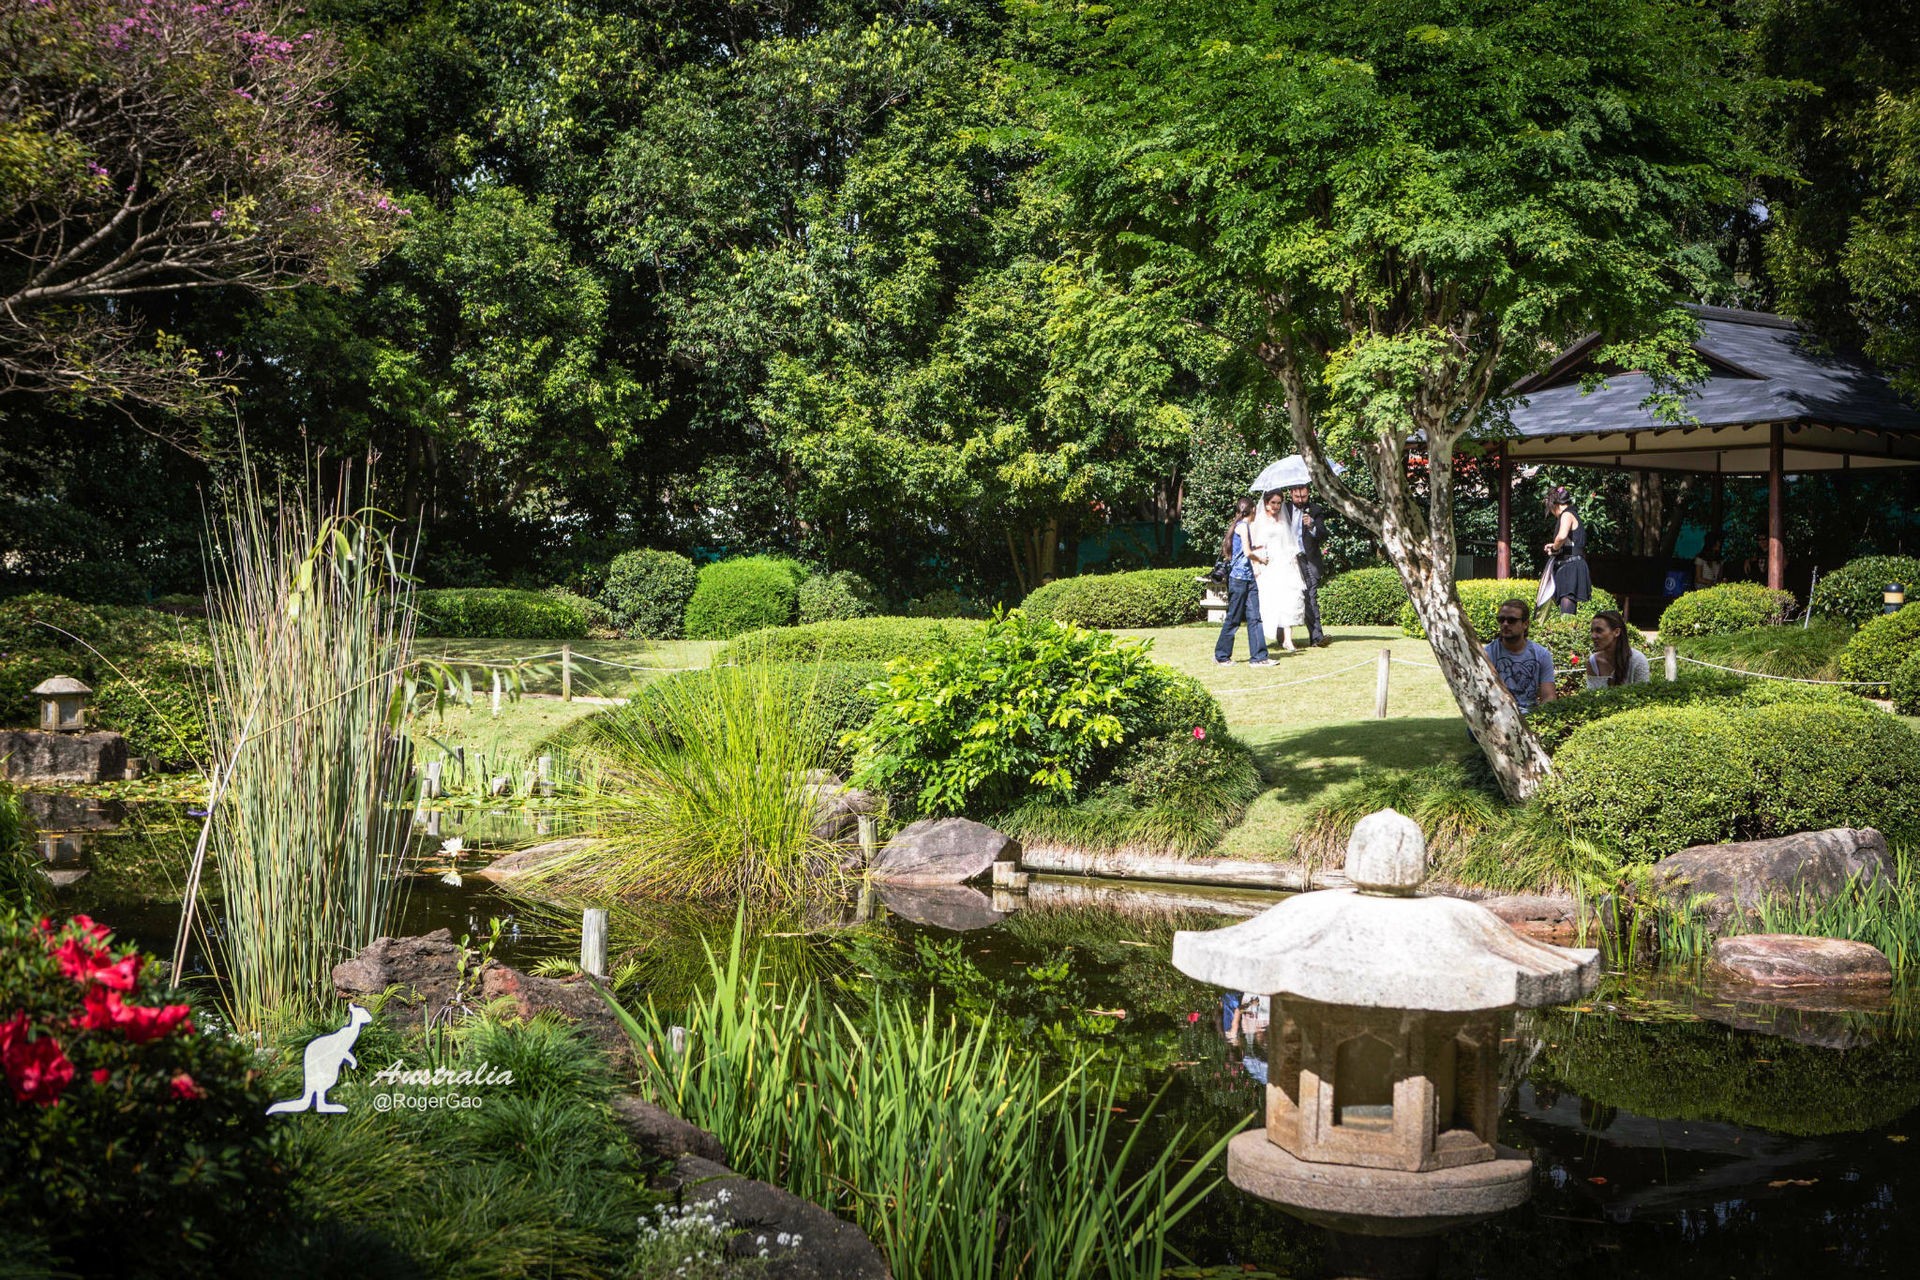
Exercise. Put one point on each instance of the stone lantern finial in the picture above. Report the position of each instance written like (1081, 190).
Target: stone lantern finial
(1387, 855)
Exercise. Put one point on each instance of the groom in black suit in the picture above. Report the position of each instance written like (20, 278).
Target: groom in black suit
(1309, 522)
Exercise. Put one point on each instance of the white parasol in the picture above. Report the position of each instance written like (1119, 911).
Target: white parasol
(1287, 473)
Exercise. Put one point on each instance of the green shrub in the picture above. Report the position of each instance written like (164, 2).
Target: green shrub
(1363, 598)
(944, 603)
(134, 1116)
(1481, 597)
(1656, 780)
(1171, 794)
(1174, 703)
(22, 886)
(733, 597)
(1563, 637)
(23, 668)
(1879, 648)
(851, 640)
(600, 624)
(832, 597)
(647, 592)
(1145, 598)
(497, 613)
(1810, 652)
(1027, 706)
(1851, 593)
(1717, 610)
(160, 704)
(1904, 688)
(1556, 721)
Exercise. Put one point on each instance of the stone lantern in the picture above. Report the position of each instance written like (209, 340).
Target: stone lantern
(63, 705)
(1384, 1041)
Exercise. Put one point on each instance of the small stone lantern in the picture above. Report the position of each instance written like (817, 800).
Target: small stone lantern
(1384, 1041)
(63, 705)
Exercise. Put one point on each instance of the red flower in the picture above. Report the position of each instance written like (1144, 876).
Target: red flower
(85, 924)
(38, 1069)
(120, 976)
(1192, 1018)
(101, 1075)
(78, 960)
(185, 1089)
(140, 1023)
(1199, 734)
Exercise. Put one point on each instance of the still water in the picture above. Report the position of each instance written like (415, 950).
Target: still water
(1675, 1132)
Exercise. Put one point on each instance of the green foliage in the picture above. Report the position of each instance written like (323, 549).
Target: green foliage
(1170, 794)
(1883, 912)
(1852, 593)
(943, 603)
(599, 618)
(1480, 599)
(1904, 688)
(851, 640)
(1363, 598)
(736, 596)
(22, 886)
(1145, 598)
(700, 789)
(1221, 466)
(1727, 607)
(1810, 652)
(498, 613)
(1657, 780)
(1878, 649)
(830, 597)
(647, 591)
(137, 1118)
(836, 693)
(1554, 722)
(917, 1128)
(1027, 706)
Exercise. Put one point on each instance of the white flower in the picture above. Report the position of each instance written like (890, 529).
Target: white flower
(452, 878)
(452, 847)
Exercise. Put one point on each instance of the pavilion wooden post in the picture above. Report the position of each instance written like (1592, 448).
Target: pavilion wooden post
(1503, 549)
(1776, 515)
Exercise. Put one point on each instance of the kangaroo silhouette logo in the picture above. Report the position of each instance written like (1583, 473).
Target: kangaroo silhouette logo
(322, 1062)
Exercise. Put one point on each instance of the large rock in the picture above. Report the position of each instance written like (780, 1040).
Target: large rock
(659, 1132)
(828, 1248)
(942, 851)
(838, 810)
(955, 907)
(61, 759)
(1728, 882)
(1793, 960)
(573, 999)
(507, 866)
(1548, 917)
(426, 970)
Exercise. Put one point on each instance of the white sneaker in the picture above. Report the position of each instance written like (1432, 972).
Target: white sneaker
(1264, 662)
(1223, 662)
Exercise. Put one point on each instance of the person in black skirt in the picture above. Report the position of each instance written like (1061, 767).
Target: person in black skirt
(1567, 553)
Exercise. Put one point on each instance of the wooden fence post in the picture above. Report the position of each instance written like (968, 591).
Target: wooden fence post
(1673, 664)
(593, 941)
(1380, 684)
(430, 785)
(566, 673)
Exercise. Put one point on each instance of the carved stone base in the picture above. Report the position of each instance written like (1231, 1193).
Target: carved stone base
(1382, 1202)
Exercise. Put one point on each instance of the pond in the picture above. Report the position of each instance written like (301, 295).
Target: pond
(1673, 1132)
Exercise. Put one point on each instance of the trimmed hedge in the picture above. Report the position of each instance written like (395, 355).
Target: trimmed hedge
(1481, 598)
(498, 613)
(1722, 609)
(1878, 649)
(600, 624)
(1554, 722)
(1904, 688)
(832, 597)
(1657, 780)
(1144, 598)
(851, 640)
(1852, 591)
(733, 597)
(647, 592)
(1363, 598)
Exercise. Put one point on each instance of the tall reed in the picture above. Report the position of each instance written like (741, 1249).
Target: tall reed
(701, 788)
(948, 1147)
(311, 622)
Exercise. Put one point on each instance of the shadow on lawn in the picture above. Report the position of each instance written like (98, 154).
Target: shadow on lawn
(1301, 765)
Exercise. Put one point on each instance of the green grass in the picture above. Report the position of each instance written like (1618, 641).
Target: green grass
(1807, 653)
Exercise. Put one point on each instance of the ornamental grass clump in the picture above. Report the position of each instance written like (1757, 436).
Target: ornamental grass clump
(311, 626)
(701, 788)
(951, 1149)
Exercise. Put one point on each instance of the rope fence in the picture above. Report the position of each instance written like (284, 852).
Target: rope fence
(1762, 675)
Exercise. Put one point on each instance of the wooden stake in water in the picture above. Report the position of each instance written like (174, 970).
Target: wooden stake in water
(1673, 664)
(1380, 684)
(545, 767)
(430, 785)
(496, 692)
(566, 673)
(593, 941)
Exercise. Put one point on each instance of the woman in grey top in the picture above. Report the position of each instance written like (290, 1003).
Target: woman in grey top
(1614, 660)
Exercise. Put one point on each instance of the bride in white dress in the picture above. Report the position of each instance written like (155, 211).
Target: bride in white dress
(1283, 591)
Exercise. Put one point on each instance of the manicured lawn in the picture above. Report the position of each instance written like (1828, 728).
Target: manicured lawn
(1310, 719)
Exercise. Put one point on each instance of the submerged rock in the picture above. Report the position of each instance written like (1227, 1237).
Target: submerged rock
(942, 851)
(802, 1241)
(955, 907)
(1793, 960)
(521, 861)
(1719, 882)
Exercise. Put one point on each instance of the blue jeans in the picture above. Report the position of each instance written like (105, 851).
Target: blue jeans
(1243, 605)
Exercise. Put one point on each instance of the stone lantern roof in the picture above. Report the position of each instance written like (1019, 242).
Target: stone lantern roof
(1383, 945)
(60, 685)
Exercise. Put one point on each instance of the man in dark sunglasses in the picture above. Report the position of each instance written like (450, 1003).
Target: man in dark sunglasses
(1524, 667)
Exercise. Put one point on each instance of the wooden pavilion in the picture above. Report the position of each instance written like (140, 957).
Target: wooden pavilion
(1774, 403)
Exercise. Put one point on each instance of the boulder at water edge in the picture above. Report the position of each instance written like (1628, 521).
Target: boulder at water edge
(1793, 960)
(953, 907)
(802, 1241)
(942, 851)
(1737, 878)
(426, 969)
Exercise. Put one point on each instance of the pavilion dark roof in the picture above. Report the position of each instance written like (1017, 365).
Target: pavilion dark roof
(1835, 409)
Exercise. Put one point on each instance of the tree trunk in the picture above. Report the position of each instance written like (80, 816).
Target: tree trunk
(1644, 495)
